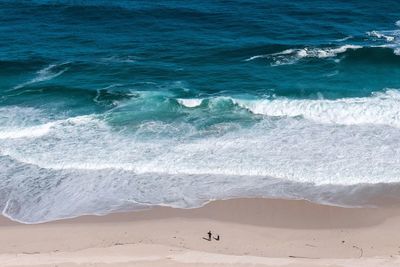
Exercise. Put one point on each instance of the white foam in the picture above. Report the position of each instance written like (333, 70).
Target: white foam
(381, 108)
(318, 52)
(48, 73)
(21, 116)
(390, 37)
(381, 35)
(344, 39)
(18, 122)
(288, 148)
(190, 103)
(255, 57)
(27, 132)
(291, 56)
(97, 168)
(295, 151)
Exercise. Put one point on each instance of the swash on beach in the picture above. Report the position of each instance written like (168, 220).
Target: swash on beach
(118, 105)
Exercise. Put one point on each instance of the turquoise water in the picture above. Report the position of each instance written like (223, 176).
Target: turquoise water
(117, 105)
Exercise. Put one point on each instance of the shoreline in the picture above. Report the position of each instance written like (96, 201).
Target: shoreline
(267, 232)
(283, 212)
(381, 195)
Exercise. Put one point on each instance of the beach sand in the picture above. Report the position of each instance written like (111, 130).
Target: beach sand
(254, 232)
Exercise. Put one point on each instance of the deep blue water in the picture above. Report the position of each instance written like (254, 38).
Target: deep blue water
(112, 105)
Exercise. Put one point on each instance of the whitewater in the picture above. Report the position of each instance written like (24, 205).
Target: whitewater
(315, 142)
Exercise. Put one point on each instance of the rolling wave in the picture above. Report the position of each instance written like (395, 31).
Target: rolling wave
(380, 108)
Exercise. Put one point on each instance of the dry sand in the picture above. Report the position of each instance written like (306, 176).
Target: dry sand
(254, 232)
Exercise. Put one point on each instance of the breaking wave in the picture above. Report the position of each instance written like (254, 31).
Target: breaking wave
(292, 56)
(391, 38)
(383, 39)
(380, 108)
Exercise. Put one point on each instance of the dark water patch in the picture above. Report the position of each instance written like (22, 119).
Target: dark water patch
(10, 66)
(372, 55)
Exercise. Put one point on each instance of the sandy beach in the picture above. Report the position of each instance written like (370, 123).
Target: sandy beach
(253, 232)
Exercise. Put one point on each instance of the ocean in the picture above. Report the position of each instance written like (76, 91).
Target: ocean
(110, 106)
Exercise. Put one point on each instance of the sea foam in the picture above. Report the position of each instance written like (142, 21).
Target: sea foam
(291, 56)
(85, 162)
(190, 103)
(380, 108)
(338, 136)
(391, 38)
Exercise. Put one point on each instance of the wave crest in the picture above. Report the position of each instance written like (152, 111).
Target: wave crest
(380, 108)
(291, 56)
(391, 38)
